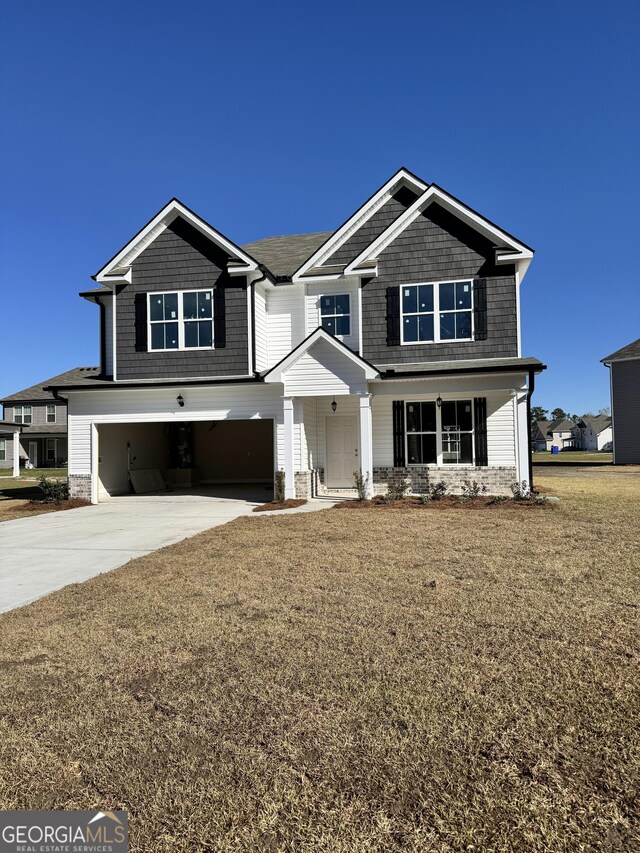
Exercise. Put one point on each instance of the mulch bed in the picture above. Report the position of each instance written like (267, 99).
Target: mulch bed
(277, 505)
(43, 506)
(447, 502)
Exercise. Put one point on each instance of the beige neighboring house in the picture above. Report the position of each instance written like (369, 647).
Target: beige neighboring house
(562, 434)
(42, 421)
(596, 432)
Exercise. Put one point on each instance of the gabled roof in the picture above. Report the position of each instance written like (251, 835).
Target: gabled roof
(631, 351)
(36, 392)
(283, 255)
(564, 425)
(119, 267)
(598, 423)
(508, 248)
(274, 374)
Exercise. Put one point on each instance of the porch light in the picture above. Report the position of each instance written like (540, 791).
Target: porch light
(180, 400)
(334, 405)
(439, 401)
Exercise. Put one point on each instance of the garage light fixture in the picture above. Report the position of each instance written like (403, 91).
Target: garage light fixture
(180, 400)
(334, 405)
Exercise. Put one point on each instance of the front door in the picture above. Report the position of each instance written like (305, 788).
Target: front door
(342, 452)
(33, 453)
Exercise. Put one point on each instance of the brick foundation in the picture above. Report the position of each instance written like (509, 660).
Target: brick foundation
(80, 486)
(497, 480)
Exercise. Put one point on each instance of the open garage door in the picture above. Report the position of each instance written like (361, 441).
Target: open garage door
(191, 455)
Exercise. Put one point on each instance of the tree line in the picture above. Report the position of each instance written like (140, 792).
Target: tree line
(538, 413)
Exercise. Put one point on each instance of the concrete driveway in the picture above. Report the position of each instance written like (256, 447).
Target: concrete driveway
(41, 554)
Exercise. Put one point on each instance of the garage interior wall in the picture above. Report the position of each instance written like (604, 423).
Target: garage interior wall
(234, 451)
(148, 448)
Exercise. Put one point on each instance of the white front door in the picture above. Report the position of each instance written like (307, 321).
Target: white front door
(342, 452)
(33, 453)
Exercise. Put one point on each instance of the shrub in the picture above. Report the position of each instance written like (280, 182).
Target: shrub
(521, 491)
(53, 490)
(398, 490)
(278, 490)
(361, 484)
(437, 490)
(471, 490)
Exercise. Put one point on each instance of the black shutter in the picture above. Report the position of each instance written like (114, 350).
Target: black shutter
(140, 306)
(398, 433)
(393, 316)
(219, 319)
(480, 308)
(480, 430)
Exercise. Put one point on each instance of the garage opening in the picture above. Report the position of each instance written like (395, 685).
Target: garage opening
(205, 457)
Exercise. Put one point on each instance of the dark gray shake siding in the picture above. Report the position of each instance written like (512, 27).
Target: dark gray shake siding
(438, 247)
(373, 227)
(180, 258)
(625, 381)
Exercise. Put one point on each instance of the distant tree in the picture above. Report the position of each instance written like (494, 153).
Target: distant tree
(558, 414)
(538, 414)
(605, 410)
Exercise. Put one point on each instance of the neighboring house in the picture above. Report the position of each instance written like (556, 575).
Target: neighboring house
(390, 346)
(595, 432)
(539, 441)
(624, 367)
(563, 433)
(42, 420)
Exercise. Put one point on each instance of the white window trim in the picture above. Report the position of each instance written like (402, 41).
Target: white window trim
(436, 313)
(20, 418)
(55, 450)
(320, 298)
(50, 406)
(180, 320)
(3, 449)
(439, 463)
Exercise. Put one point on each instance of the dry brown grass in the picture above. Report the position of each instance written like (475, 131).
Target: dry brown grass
(346, 681)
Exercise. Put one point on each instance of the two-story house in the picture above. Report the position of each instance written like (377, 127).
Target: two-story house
(42, 422)
(390, 346)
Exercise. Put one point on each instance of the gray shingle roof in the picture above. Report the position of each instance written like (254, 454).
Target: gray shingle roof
(36, 392)
(283, 255)
(564, 425)
(631, 350)
(597, 422)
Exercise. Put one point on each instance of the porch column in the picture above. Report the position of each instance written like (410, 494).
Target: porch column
(366, 443)
(289, 464)
(522, 432)
(16, 453)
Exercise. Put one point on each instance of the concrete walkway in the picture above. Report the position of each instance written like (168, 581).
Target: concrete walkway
(46, 552)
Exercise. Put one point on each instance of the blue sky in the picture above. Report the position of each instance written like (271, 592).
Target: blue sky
(275, 118)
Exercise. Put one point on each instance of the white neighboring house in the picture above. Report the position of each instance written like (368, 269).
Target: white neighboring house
(595, 432)
(390, 346)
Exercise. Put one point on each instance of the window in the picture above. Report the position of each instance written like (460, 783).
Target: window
(335, 314)
(436, 312)
(22, 414)
(181, 320)
(3, 450)
(51, 413)
(439, 436)
(50, 449)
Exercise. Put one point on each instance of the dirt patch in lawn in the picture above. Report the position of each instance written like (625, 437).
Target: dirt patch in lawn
(447, 502)
(272, 506)
(331, 682)
(12, 509)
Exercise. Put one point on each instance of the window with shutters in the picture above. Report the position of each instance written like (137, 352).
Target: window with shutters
(432, 313)
(181, 321)
(440, 435)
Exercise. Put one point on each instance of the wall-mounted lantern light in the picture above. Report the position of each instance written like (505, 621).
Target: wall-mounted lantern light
(439, 401)
(334, 405)
(180, 400)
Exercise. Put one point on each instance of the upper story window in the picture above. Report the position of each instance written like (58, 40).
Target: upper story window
(439, 436)
(436, 312)
(335, 314)
(182, 320)
(51, 413)
(22, 414)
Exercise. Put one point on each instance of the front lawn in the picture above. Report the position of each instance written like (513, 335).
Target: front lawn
(34, 473)
(16, 494)
(356, 680)
(567, 457)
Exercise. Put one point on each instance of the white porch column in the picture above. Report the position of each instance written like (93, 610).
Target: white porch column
(16, 453)
(289, 456)
(522, 431)
(366, 444)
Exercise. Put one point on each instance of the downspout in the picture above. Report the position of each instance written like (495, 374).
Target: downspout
(530, 390)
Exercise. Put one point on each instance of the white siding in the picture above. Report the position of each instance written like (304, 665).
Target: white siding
(501, 430)
(324, 370)
(285, 321)
(310, 432)
(108, 336)
(317, 289)
(260, 308)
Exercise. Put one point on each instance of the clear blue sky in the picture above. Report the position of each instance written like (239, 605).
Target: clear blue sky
(282, 117)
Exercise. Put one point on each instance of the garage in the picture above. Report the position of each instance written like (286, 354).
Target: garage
(202, 456)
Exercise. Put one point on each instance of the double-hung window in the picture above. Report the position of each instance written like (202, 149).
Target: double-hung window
(439, 435)
(335, 314)
(441, 311)
(182, 320)
(51, 413)
(22, 414)
(3, 450)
